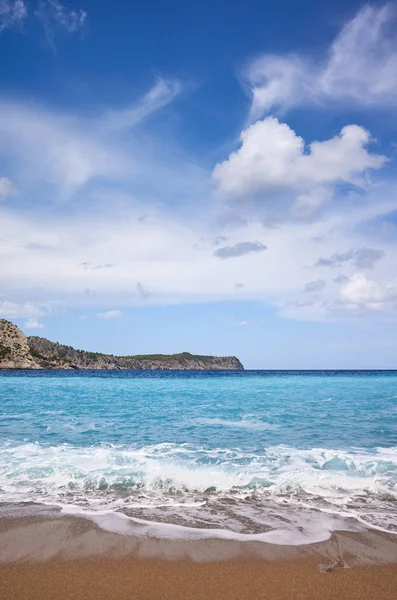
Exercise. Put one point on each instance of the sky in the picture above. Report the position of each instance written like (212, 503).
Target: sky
(213, 177)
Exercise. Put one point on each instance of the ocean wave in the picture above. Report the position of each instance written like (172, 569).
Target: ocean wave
(184, 468)
(193, 485)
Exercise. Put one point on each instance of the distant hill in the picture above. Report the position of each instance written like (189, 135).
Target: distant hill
(18, 351)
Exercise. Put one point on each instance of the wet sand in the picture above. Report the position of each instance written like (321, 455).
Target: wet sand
(65, 558)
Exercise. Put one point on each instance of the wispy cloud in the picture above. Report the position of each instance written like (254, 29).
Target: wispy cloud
(159, 252)
(239, 249)
(89, 267)
(360, 68)
(315, 286)
(6, 188)
(55, 149)
(67, 152)
(22, 310)
(110, 314)
(33, 324)
(12, 14)
(142, 291)
(159, 96)
(362, 258)
(57, 17)
(249, 323)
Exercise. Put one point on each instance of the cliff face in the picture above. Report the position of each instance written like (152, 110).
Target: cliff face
(14, 348)
(20, 352)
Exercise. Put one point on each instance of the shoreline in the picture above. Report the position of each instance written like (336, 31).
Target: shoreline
(64, 557)
(43, 533)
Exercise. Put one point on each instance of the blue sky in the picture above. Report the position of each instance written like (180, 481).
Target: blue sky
(214, 177)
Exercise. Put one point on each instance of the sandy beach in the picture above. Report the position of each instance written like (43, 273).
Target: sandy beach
(130, 579)
(63, 558)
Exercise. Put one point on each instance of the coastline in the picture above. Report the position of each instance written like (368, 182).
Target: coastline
(65, 557)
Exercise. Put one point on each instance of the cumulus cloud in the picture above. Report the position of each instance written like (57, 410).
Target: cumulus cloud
(33, 324)
(56, 17)
(12, 14)
(273, 161)
(358, 296)
(315, 286)
(359, 292)
(110, 314)
(239, 249)
(362, 258)
(359, 68)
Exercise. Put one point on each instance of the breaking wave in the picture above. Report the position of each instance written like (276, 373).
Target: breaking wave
(195, 487)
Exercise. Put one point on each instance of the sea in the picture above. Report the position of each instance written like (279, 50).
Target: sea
(284, 457)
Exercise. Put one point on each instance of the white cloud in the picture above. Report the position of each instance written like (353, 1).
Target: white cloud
(12, 14)
(160, 252)
(249, 323)
(273, 161)
(67, 152)
(56, 17)
(357, 296)
(91, 256)
(6, 188)
(21, 310)
(33, 324)
(360, 68)
(110, 314)
(359, 292)
(55, 149)
(309, 202)
(160, 95)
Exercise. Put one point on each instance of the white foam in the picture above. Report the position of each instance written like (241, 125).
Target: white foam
(183, 479)
(314, 529)
(244, 423)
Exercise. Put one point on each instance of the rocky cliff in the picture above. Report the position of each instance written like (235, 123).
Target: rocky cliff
(20, 352)
(14, 348)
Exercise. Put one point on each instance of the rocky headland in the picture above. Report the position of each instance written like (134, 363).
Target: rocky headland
(18, 351)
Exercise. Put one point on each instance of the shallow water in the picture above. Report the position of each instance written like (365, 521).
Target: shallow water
(291, 455)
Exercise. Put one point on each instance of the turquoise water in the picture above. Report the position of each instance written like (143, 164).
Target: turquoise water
(247, 452)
